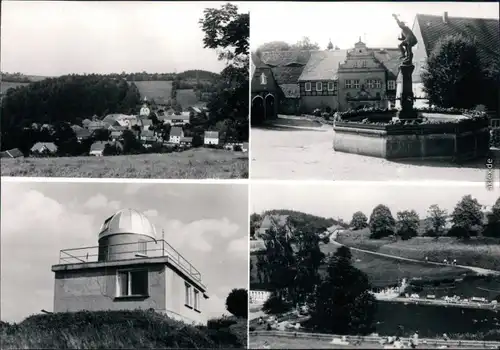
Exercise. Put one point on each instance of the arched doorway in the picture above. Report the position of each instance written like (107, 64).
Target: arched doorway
(270, 107)
(258, 111)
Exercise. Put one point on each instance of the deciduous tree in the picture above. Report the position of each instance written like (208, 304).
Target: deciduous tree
(381, 222)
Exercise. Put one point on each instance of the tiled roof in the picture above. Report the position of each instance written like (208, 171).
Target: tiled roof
(284, 58)
(76, 127)
(98, 146)
(186, 139)
(287, 74)
(323, 65)
(176, 131)
(14, 153)
(485, 31)
(290, 90)
(49, 145)
(390, 59)
(212, 134)
(82, 133)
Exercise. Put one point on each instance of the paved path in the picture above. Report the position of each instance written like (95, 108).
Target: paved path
(307, 153)
(478, 270)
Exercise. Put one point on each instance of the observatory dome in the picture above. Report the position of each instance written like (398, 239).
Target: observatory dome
(127, 221)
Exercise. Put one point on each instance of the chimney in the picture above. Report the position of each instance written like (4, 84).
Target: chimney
(445, 17)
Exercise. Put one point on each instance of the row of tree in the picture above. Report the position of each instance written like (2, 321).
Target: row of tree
(195, 74)
(339, 300)
(467, 220)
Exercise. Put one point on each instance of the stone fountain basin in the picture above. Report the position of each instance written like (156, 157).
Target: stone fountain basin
(449, 142)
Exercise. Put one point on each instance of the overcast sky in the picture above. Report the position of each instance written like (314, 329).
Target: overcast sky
(345, 22)
(206, 223)
(52, 38)
(344, 199)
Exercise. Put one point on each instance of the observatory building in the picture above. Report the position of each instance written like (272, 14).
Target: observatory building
(129, 269)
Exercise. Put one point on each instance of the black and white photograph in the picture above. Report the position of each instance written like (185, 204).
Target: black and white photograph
(125, 89)
(123, 265)
(344, 265)
(375, 91)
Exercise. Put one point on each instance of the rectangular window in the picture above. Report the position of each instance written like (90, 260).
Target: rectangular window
(319, 86)
(370, 83)
(132, 283)
(348, 84)
(363, 63)
(188, 300)
(196, 300)
(378, 84)
(391, 85)
(143, 247)
(355, 83)
(307, 86)
(355, 64)
(330, 86)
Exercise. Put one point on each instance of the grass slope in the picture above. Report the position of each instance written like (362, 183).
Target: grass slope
(187, 98)
(119, 330)
(157, 90)
(198, 163)
(479, 252)
(381, 271)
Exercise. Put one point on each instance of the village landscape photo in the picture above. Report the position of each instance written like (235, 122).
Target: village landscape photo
(374, 265)
(124, 89)
(123, 265)
(375, 91)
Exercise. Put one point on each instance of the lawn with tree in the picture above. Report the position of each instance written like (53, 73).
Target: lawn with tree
(468, 234)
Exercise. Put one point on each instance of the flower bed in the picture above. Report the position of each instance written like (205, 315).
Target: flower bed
(438, 133)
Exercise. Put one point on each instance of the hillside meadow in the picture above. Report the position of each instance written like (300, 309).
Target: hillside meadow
(120, 330)
(157, 90)
(478, 252)
(381, 271)
(197, 163)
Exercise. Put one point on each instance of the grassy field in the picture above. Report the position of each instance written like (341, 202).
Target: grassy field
(383, 271)
(157, 90)
(187, 98)
(119, 330)
(201, 163)
(6, 85)
(480, 252)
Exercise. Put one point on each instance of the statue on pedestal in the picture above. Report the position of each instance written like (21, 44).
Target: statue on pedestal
(408, 40)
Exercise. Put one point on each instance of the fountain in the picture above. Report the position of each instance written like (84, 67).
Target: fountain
(429, 133)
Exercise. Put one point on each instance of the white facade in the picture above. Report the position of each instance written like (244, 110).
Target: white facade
(144, 111)
(259, 296)
(175, 139)
(211, 141)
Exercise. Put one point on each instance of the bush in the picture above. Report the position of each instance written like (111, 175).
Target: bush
(317, 112)
(237, 302)
(237, 148)
(275, 305)
(495, 137)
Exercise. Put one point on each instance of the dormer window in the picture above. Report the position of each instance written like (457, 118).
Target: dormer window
(319, 86)
(263, 79)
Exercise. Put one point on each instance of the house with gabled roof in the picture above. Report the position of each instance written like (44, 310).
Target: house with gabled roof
(428, 29)
(42, 147)
(176, 133)
(211, 138)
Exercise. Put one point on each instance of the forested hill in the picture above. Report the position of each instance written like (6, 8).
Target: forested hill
(67, 98)
(313, 220)
(139, 76)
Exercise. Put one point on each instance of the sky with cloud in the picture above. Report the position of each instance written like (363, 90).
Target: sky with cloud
(345, 22)
(341, 200)
(206, 223)
(105, 37)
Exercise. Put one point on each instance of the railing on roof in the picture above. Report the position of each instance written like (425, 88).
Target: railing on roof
(147, 249)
